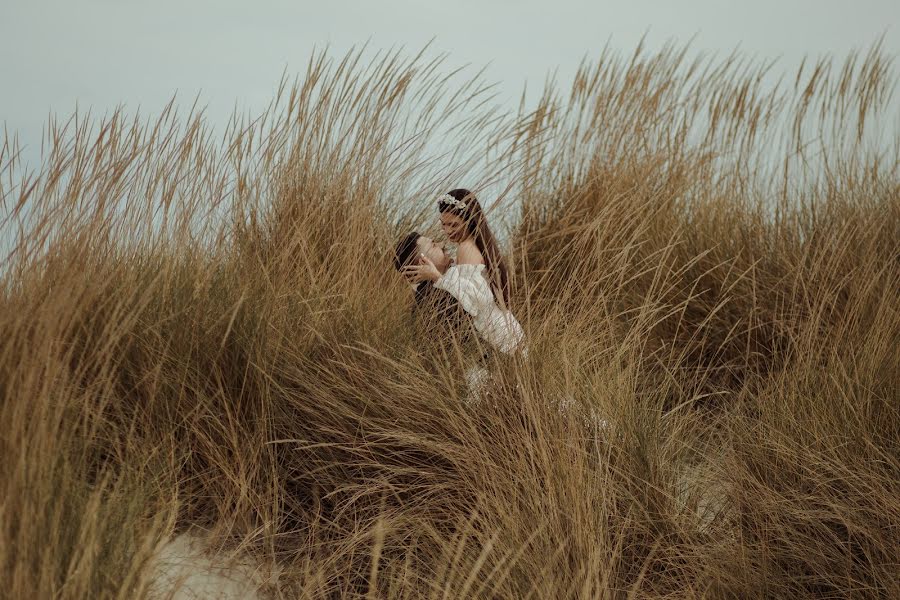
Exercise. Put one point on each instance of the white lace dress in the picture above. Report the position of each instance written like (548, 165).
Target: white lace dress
(470, 286)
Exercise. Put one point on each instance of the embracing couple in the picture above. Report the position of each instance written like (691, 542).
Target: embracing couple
(473, 289)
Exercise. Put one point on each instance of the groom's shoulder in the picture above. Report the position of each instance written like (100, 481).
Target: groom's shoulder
(437, 301)
(428, 294)
(440, 316)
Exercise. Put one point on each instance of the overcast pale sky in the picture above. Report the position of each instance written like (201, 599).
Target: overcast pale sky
(102, 53)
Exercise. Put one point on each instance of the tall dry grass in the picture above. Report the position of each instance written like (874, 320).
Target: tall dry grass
(205, 332)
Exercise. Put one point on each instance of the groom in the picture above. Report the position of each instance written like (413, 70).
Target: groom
(439, 315)
(437, 310)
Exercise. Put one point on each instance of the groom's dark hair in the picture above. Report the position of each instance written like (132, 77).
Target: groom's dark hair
(406, 247)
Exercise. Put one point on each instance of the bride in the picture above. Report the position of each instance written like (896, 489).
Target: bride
(478, 279)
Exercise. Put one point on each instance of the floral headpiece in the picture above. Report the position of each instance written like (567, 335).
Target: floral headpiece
(451, 201)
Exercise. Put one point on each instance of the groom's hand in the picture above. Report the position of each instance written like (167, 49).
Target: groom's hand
(424, 271)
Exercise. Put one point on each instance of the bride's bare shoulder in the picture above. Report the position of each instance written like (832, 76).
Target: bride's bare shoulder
(468, 254)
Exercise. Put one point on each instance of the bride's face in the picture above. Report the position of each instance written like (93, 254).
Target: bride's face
(454, 227)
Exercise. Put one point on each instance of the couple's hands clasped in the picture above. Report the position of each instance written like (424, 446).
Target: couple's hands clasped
(423, 271)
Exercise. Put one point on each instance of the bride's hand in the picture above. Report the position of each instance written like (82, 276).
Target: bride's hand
(424, 271)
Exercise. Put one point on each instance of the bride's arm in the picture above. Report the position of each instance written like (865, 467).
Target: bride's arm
(459, 284)
(497, 327)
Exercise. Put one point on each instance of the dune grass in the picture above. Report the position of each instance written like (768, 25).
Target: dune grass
(205, 332)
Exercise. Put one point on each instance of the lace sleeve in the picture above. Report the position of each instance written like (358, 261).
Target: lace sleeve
(461, 283)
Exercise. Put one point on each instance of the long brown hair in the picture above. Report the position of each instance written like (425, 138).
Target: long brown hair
(467, 208)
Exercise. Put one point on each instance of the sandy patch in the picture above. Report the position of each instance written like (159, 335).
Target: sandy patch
(185, 570)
